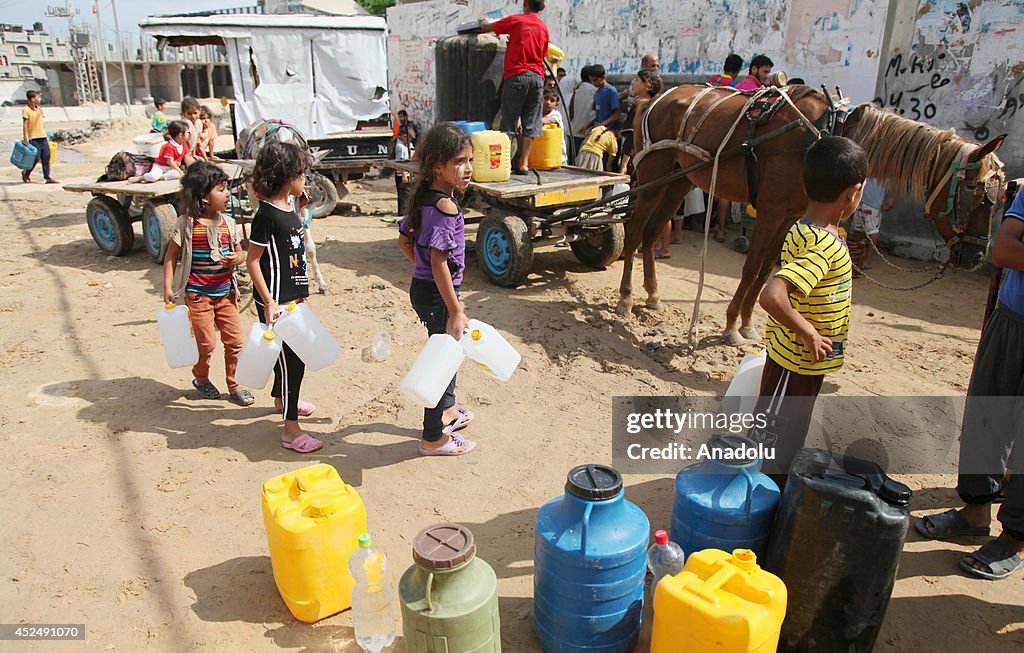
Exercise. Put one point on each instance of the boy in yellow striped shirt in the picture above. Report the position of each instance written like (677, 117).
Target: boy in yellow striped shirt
(808, 300)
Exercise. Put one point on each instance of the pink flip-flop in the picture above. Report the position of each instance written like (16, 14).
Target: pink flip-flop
(305, 408)
(305, 443)
(455, 441)
(459, 423)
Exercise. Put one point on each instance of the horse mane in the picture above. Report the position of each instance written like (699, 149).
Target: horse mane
(911, 154)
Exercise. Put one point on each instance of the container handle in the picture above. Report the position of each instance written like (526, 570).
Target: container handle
(750, 490)
(426, 594)
(586, 524)
(721, 577)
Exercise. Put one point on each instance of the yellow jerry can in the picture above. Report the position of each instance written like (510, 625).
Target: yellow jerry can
(313, 521)
(719, 602)
(492, 156)
(546, 153)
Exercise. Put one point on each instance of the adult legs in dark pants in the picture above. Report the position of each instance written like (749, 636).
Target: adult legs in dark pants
(441, 421)
(991, 435)
(43, 145)
(521, 102)
(288, 373)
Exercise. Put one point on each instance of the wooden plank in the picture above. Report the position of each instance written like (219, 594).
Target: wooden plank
(148, 189)
(564, 179)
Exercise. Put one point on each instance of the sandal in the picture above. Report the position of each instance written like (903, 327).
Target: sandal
(304, 443)
(947, 525)
(305, 409)
(242, 397)
(206, 390)
(719, 239)
(449, 449)
(1000, 559)
(459, 423)
(660, 256)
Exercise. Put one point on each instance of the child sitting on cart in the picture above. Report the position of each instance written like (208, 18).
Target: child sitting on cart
(173, 158)
(601, 143)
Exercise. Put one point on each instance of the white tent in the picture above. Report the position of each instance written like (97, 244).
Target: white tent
(321, 73)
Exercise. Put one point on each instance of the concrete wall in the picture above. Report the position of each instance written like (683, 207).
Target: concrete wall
(823, 41)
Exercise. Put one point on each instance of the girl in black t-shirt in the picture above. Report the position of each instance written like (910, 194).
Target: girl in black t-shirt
(277, 265)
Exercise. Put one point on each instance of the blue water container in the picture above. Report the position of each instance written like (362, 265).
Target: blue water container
(472, 126)
(724, 502)
(24, 156)
(590, 560)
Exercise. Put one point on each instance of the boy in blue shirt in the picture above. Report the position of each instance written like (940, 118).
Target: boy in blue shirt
(606, 100)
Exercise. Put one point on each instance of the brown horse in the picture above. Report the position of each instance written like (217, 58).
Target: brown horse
(913, 156)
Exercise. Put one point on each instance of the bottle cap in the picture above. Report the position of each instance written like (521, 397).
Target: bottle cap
(594, 482)
(321, 506)
(169, 305)
(476, 334)
(291, 307)
(365, 540)
(894, 492)
(442, 547)
(269, 335)
(661, 537)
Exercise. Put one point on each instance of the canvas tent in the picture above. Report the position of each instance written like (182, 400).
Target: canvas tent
(323, 74)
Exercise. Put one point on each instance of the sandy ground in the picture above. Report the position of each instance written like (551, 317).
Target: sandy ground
(134, 507)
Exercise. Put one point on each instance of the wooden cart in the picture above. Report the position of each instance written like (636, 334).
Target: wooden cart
(536, 209)
(117, 205)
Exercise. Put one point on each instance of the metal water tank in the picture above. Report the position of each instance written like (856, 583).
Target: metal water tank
(469, 70)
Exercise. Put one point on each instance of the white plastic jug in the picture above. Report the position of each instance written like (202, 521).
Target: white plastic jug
(433, 370)
(308, 338)
(489, 349)
(259, 354)
(176, 332)
(741, 397)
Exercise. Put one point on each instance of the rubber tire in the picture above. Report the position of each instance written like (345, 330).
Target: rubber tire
(504, 249)
(741, 244)
(323, 195)
(601, 249)
(109, 225)
(158, 220)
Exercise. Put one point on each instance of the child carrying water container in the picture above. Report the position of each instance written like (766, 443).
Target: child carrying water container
(432, 237)
(277, 266)
(200, 265)
(808, 300)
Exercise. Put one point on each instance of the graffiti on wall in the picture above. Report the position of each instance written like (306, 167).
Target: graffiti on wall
(962, 69)
(835, 42)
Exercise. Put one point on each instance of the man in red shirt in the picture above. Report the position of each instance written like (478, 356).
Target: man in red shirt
(523, 85)
(758, 74)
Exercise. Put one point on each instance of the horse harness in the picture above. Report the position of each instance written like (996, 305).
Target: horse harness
(761, 106)
(958, 206)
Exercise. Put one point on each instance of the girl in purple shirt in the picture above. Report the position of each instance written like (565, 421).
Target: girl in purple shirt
(432, 237)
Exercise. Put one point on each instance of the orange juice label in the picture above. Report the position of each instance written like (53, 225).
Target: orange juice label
(495, 155)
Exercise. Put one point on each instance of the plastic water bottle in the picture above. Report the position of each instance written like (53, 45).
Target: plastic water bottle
(664, 558)
(373, 615)
(380, 349)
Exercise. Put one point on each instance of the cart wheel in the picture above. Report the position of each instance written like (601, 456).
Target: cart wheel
(741, 244)
(600, 248)
(323, 195)
(109, 225)
(504, 249)
(157, 222)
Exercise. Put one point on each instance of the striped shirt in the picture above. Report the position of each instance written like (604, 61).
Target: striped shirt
(817, 263)
(207, 276)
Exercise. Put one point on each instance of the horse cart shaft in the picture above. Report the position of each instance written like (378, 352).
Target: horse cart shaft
(527, 211)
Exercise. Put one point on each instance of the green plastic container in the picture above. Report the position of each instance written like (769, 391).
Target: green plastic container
(449, 597)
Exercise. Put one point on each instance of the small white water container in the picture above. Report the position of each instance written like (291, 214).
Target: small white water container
(307, 337)
(741, 397)
(149, 144)
(489, 349)
(259, 354)
(176, 333)
(433, 370)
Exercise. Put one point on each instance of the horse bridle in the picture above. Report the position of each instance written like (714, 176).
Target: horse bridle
(958, 205)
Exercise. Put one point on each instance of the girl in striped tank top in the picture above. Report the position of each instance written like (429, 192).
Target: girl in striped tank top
(200, 265)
